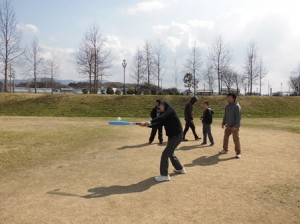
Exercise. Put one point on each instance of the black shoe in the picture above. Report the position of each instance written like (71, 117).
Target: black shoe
(203, 143)
(197, 138)
(184, 140)
(150, 142)
(211, 144)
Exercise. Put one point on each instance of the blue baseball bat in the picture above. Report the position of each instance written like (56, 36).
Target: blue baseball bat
(123, 123)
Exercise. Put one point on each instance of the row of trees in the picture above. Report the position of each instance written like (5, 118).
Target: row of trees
(94, 58)
(12, 54)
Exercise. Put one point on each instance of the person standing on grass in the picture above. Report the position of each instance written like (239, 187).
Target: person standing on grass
(207, 119)
(189, 119)
(170, 120)
(232, 122)
(155, 112)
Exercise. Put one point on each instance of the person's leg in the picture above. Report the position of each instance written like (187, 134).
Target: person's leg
(204, 133)
(236, 140)
(160, 138)
(227, 133)
(152, 135)
(192, 125)
(187, 126)
(174, 160)
(210, 137)
(169, 153)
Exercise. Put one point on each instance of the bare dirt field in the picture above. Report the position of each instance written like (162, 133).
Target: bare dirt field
(81, 170)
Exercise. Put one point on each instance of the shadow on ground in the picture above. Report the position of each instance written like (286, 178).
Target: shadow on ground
(134, 146)
(208, 161)
(99, 192)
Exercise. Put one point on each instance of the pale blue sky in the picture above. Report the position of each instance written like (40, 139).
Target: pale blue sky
(274, 25)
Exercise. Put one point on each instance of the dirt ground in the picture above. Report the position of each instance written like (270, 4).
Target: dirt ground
(110, 180)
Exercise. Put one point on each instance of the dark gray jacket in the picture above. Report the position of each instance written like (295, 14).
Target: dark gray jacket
(232, 115)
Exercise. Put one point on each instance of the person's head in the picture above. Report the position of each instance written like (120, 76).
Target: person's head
(193, 100)
(163, 105)
(157, 102)
(231, 97)
(206, 105)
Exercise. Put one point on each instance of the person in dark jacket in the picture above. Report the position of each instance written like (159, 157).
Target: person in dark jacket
(189, 118)
(155, 112)
(170, 120)
(207, 119)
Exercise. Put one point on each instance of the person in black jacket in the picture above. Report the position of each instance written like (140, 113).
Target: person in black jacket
(207, 119)
(170, 120)
(189, 119)
(155, 112)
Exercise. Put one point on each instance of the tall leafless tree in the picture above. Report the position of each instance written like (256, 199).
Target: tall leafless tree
(93, 56)
(193, 65)
(219, 55)
(10, 38)
(251, 62)
(51, 69)
(294, 81)
(261, 71)
(159, 61)
(149, 61)
(34, 60)
(175, 74)
(228, 76)
(137, 68)
(209, 76)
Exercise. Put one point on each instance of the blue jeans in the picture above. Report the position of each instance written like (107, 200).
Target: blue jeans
(168, 152)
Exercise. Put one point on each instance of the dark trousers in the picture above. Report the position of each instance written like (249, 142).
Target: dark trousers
(207, 132)
(153, 133)
(168, 152)
(188, 125)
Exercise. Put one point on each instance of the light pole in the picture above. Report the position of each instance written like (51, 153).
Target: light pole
(124, 64)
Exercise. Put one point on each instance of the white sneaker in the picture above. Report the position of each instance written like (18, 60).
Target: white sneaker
(223, 151)
(238, 156)
(162, 178)
(182, 171)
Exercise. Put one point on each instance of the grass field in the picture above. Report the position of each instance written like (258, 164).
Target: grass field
(60, 105)
(81, 170)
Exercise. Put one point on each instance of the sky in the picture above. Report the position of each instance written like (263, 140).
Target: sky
(273, 25)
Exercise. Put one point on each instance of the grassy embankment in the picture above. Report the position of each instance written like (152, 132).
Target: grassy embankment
(137, 106)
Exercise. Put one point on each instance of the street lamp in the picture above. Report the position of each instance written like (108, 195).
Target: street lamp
(124, 64)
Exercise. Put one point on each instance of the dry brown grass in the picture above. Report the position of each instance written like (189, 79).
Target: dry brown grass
(85, 171)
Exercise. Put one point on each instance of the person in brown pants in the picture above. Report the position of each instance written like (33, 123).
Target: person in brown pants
(231, 122)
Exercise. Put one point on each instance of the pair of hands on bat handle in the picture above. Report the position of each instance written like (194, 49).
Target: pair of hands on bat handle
(144, 124)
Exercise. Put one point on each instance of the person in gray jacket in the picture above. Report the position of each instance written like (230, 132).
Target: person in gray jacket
(232, 123)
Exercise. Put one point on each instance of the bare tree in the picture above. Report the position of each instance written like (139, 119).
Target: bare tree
(261, 71)
(188, 81)
(251, 62)
(228, 76)
(138, 67)
(294, 81)
(238, 80)
(34, 60)
(51, 69)
(10, 38)
(159, 62)
(193, 65)
(149, 62)
(209, 76)
(219, 55)
(175, 74)
(93, 57)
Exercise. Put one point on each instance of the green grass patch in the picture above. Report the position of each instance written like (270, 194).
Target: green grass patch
(60, 105)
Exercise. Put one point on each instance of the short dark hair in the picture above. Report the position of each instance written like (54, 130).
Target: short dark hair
(206, 102)
(157, 101)
(232, 94)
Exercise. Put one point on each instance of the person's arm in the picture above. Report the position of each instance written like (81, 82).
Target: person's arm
(153, 113)
(160, 119)
(237, 116)
(224, 118)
